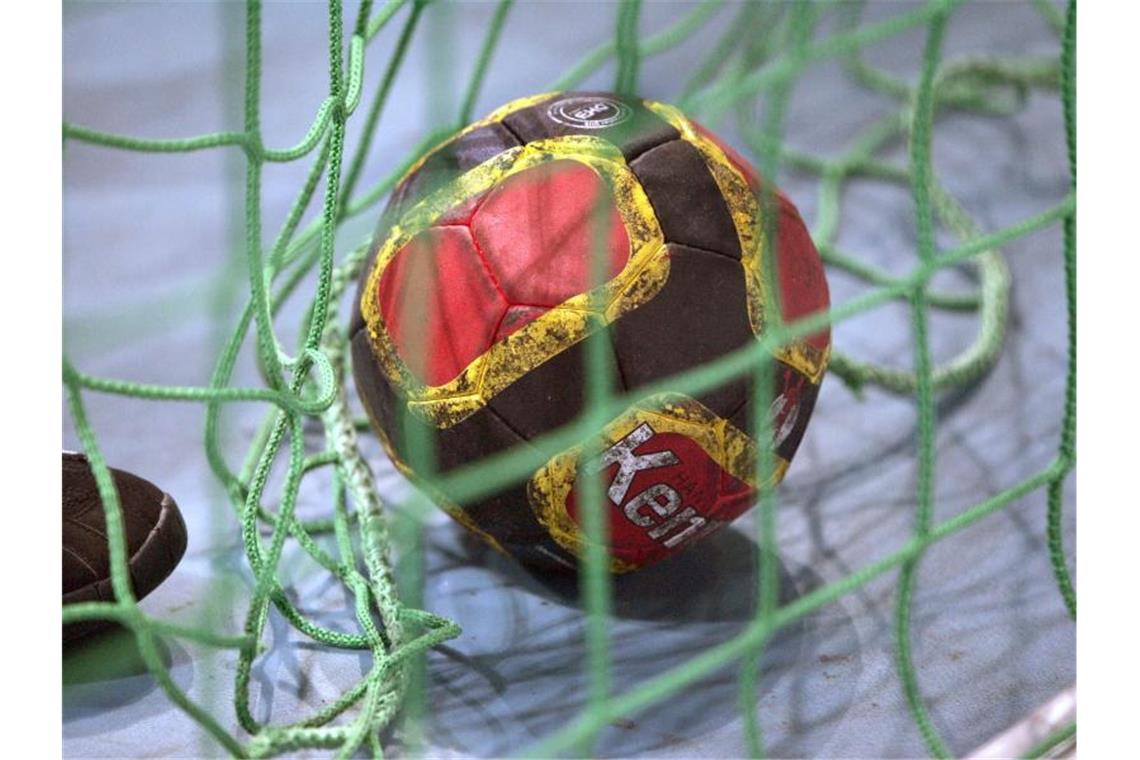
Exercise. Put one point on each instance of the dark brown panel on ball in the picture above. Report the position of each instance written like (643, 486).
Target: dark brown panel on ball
(625, 122)
(549, 396)
(356, 316)
(698, 316)
(474, 438)
(505, 515)
(377, 396)
(686, 198)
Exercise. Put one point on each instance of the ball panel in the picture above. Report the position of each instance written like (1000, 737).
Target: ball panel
(438, 304)
(480, 144)
(625, 122)
(536, 232)
(698, 316)
(532, 337)
(547, 397)
(686, 198)
(501, 515)
(803, 286)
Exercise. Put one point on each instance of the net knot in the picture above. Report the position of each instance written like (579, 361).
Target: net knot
(311, 360)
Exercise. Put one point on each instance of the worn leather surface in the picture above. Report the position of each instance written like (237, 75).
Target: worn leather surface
(152, 525)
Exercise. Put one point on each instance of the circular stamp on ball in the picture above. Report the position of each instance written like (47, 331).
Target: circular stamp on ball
(589, 112)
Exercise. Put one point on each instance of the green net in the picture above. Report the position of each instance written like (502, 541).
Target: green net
(761, 55)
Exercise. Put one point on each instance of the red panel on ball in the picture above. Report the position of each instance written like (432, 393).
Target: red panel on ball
(667, 503)
(536, 232)
(438, 303)
(803, 287)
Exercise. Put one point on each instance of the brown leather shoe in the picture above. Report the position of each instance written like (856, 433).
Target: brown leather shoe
(155, 533)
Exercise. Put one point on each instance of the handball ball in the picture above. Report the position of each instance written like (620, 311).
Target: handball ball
(485, 280)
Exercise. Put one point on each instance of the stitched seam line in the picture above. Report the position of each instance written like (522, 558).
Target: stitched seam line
(486, 265)
(83, 562)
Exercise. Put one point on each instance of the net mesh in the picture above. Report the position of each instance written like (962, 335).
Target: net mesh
(761, 55)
